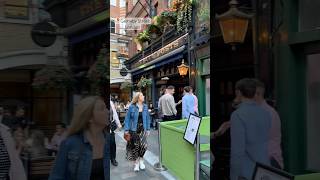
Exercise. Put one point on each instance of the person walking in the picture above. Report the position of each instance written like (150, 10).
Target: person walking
(275, 152)
(137, 127)
(115, 124)
(11, 165)
(188, 102)
(85, 153)
(196, 109)
(250, 127)
(58, 137)
(167, 105)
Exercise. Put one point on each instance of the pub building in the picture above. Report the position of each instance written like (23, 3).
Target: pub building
(200, 49)
(159, 62)
(239, 52)
(84, 24)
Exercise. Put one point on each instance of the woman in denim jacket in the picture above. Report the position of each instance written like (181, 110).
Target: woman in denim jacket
(137, 124)
(85, 153)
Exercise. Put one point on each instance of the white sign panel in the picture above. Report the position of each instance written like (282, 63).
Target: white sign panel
(132, 23)
(191, 131)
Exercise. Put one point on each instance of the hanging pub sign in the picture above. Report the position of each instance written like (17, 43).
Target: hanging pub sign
(165, 50)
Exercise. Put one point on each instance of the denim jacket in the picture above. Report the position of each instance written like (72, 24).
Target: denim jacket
(76, 149)
(131, 119)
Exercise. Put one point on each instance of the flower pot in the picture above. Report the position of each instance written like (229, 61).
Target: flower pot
(145, 44)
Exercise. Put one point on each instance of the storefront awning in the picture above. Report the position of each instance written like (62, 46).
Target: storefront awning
(161, 63)
(168, 58)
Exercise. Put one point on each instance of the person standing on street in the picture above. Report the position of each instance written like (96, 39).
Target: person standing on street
(196, 109)
(167, 105)
(85, 153)
(275, 152)
(115, 124)
(250, 128)
(137, 127)
(11, 165)
(187, 103)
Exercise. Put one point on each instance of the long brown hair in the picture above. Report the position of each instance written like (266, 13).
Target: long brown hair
(82, 114)
(135, 98)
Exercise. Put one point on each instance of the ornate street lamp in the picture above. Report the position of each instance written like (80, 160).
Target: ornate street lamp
(233, 24)
(183, 69)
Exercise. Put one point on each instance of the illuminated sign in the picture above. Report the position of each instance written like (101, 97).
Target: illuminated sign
(80, 10)
(17, 9)
(165, 50)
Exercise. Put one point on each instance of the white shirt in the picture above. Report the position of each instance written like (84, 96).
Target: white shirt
(115, 116)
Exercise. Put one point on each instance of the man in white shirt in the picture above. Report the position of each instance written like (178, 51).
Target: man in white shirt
(114, 120)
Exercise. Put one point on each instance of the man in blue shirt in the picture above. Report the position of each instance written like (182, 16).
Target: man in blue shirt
(250, 127)
(188, 103)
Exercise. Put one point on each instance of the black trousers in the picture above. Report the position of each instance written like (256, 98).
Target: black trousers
(113, 147)
(168, 118)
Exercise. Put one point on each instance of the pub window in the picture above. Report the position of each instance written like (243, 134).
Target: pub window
(313, 113)
(308, 9)
(113, 2)
(112, 27)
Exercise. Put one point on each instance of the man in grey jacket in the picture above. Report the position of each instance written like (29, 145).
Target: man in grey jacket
(167, 105)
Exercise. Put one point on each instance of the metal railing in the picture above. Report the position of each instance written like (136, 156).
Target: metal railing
(159, 43)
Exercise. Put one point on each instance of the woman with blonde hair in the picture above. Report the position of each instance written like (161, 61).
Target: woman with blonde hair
(137, 127)
(85, 153)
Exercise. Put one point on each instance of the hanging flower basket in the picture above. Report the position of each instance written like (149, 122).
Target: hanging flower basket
(53, 77)
(183, 8)
(99, 73)
(144, 83)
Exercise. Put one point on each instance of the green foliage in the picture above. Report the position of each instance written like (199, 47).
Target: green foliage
(53, 77)
(143, 83)
(152, 28)
(143, 36)
(184, 14)
(204, 14)
(99, 74)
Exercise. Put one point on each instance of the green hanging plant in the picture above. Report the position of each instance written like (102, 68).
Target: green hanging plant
(143, 36)
(99, 73)
(184, 14)
(204, 14)
(144, 82)
(152, 28)
(53, 77)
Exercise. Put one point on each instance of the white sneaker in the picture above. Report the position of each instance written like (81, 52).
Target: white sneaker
(142, 166)
(136, 167)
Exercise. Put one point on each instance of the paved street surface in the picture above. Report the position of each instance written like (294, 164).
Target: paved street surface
(125, 168)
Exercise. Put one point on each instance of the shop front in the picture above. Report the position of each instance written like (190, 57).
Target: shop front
(161, 67)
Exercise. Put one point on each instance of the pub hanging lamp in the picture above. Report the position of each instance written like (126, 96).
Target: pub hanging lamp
(233, 24)
(183, 69)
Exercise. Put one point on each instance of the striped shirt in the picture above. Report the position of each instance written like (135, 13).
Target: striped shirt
(4, 160)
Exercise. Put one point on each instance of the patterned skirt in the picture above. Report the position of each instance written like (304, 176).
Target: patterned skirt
(137, 146)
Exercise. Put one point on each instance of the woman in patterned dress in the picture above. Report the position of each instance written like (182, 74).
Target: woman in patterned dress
(137, 124)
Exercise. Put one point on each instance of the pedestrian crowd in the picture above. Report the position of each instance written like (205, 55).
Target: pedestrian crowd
(85, 149)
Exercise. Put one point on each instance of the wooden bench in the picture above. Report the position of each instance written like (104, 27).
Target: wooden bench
(40, 168)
